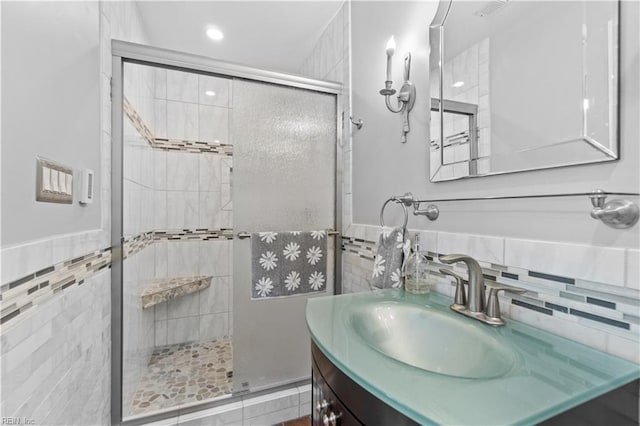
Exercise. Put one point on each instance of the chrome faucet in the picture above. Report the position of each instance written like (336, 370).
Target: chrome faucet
(476, 299)
(476, 305)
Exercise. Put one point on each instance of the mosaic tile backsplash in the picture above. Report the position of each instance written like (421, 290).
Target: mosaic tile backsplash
(599, 314)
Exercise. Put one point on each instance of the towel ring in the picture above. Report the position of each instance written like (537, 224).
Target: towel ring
(404, 207)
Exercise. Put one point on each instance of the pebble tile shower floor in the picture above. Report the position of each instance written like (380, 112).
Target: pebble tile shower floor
(185, 373)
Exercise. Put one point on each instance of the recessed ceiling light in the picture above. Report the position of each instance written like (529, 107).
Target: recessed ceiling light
(210, 93)
(215, 34)
(458, 84)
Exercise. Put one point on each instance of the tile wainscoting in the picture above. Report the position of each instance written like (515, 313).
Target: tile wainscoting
(55, 329)
(588, 294)
(271, 408)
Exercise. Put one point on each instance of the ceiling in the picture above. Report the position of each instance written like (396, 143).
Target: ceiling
(273, 35)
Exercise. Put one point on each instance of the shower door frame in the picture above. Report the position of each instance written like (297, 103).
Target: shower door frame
(123, 52)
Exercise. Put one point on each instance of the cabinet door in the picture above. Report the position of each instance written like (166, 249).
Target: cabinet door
(324, 403)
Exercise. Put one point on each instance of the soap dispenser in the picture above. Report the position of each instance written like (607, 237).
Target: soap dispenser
(416, 272)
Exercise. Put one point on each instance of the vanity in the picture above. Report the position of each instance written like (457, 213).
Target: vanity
(393, 358)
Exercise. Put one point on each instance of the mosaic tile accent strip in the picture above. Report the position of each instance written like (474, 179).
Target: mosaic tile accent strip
(192, 146)
(20, 295)
(194, 234)
(360, 247)
(172, 144)
(133, 245)
(185, 373)
(547, 294)
(163, 289)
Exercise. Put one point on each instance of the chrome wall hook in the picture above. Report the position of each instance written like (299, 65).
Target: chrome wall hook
(619, 214)
(358, 123)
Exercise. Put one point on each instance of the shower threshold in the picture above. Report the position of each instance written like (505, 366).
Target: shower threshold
(185, 373)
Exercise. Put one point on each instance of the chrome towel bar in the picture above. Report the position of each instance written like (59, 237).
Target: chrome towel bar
(620, 214)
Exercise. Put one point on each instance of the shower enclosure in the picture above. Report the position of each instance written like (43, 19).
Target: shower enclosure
(203, 151)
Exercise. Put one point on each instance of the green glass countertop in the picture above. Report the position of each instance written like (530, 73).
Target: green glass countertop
(547, 374)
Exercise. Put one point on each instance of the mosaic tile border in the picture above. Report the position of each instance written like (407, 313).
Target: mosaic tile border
(547, 294)
(135, 244)
(172, 144)
(20, 295)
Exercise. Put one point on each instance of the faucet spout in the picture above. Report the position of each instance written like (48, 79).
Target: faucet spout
(476, 297)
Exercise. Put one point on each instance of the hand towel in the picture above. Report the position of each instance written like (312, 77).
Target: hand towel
(389, 260)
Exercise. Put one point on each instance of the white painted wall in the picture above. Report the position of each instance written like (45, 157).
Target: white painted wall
(382, 166)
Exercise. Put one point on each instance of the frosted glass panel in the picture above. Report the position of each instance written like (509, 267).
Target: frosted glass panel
(283, 179)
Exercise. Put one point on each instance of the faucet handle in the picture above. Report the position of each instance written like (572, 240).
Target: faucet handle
(460, 298)
(493, 305)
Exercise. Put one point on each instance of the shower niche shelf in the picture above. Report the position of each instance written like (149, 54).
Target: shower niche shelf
(163, 289)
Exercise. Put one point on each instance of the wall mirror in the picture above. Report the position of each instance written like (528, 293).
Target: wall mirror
(522, 85)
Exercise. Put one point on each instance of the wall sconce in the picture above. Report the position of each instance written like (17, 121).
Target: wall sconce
(407, 95)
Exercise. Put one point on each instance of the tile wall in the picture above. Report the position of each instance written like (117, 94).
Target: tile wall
(138, 213)
(590, 294)
(184, 151)
(331, 60)
(269, 409)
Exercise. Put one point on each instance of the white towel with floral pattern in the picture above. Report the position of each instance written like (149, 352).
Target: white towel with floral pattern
(387, 265)
(288, 263)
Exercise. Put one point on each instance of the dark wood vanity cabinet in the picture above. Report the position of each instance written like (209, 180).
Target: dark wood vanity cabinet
(338, 400)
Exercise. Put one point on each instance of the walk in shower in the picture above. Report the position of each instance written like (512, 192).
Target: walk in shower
(204, 151)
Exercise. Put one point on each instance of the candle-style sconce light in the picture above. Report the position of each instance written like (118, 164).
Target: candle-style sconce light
(407, 95)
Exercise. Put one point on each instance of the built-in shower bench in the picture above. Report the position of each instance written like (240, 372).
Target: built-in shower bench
(162, 289)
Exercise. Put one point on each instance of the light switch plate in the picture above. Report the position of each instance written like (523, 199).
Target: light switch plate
(54, 182)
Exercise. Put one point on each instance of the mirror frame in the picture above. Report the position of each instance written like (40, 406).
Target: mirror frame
(436, 61)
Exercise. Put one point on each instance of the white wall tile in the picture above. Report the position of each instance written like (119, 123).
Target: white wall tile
(182, 86)
(162, 258)
(215, 299)
(184, 306)
(633, 269)
(183, 330)
(273, 402)
(160, 118)
(183, 171)
(182, 121)
(273, 418)
(480, 247)
(209, 210)
(624, 348)
(160, 83)
(226, 165)
(160, 169)
(210, 172)
(220, 86)
(228, 414)
(159, 213)
(183, 258)
(560, 324)
(213, 124)
(214, 326)
(182, 210)
(601, 264)
(161, 333)
(215, 258)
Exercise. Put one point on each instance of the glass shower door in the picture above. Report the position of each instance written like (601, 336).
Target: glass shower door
(284, 179)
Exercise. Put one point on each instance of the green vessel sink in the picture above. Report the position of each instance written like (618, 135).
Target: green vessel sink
(432, 341)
